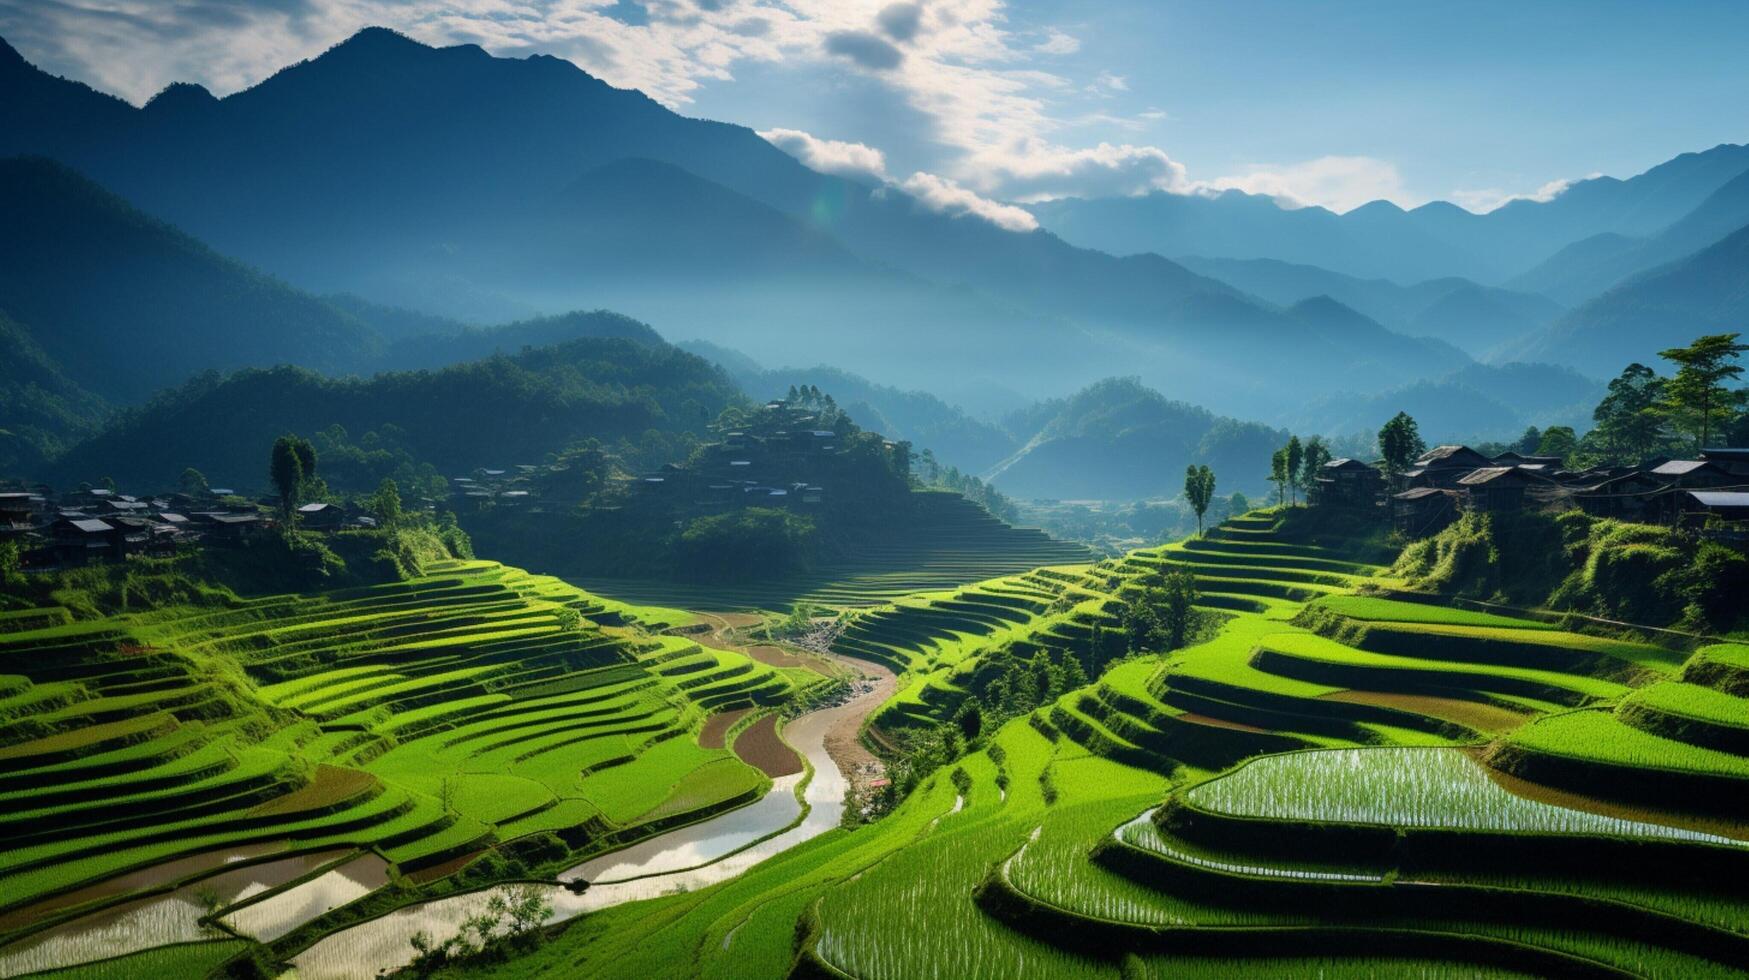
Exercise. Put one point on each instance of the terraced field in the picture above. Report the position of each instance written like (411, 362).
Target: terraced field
(950, 541)
(421, 721)
(1334, 785)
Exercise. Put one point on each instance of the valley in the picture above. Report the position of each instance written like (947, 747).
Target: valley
(873, 490)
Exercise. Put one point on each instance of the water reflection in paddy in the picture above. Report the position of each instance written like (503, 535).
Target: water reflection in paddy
(173, 917)
(670, 863)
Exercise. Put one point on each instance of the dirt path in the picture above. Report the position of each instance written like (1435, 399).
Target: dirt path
(843, 743)
(843, 740)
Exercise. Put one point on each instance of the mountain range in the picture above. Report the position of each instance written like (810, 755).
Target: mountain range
(447, 179)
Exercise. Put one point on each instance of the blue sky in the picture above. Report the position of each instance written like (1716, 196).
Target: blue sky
(981, 101)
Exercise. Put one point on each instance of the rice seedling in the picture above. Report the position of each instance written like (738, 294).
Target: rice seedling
(1405, 787)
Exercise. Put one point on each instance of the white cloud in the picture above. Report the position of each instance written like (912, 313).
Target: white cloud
(944, 195)
(1483, 200)
(829, 156)
(1116, 83)
(1339, 183)
(998, 125)
(1056, 42)
(1037, 170)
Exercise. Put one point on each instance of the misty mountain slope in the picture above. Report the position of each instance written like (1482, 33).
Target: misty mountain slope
(42, 411)
(1459, 311)
(384, 166)
(1478, 320)
(1587, 268)
(1380, 240)
(1707, 292)
(1119, 440)
(125, 304)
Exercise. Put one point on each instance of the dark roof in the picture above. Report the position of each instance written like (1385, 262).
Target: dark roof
(1490, 474)
(1452, 456)
(1418, 493)
(1721, 498)
(1731, 455)
(170, 518)
(236, 518)
(1345, 463)
(1528, 458)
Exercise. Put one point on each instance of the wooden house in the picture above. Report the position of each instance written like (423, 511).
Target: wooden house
(1443, 466)
(321, 517)
(1732, 461)
(1421, 511)
(1701, 506)
(1695, 474)
(1494, 489)
(1345, 483)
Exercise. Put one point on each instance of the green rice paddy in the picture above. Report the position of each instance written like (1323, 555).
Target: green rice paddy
(1367, 716)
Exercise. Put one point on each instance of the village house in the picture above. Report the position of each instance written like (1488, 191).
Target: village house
(321, 516)
(76, 541)
(1345, 483)
(1732, 461)
(1511, 458)
(1422, 511)
(1443, 466)
(1494, 489)
(1702, 506)
(1694, 474)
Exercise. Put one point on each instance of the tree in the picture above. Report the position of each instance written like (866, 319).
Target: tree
(1558, 440)
(193, 483)
(1238, 504)
(1528, 442)
(286, 469)
(1199, 490)
(385, 504)
(969, 719)
(1629, 423)
(1316, 455)
(1296, 456)
(1400, 444)
(1696, 400)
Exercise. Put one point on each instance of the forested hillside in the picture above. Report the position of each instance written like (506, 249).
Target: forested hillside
(499, 411)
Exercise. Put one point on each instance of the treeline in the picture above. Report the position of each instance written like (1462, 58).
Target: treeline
(650, 402)
(1647, 415)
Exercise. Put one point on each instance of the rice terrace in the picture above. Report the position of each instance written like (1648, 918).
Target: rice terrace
(872, 490)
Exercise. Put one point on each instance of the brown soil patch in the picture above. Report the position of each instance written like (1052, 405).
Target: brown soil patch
(1591, 804)
(445, 869)
(717, 726)
(776, 657)
(1214, 722)
(1479, 715)
(736, 621)
(759, 747)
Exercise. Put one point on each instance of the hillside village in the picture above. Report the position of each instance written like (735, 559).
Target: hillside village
(1710, 493)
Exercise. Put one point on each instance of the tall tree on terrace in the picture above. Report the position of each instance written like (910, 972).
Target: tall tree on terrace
(1278, 475)
(1199, 490)
(1317, 454)
(1696, 401)
(1296, 455)
(285, 467)
(1628, 420)
(1400, 444)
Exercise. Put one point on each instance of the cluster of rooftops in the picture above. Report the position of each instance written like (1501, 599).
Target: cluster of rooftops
(1448, 480)
(97, 524)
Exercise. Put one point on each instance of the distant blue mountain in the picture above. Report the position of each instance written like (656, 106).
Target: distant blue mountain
(1381, 240)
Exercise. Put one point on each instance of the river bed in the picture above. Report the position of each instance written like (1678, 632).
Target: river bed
(682, 860)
